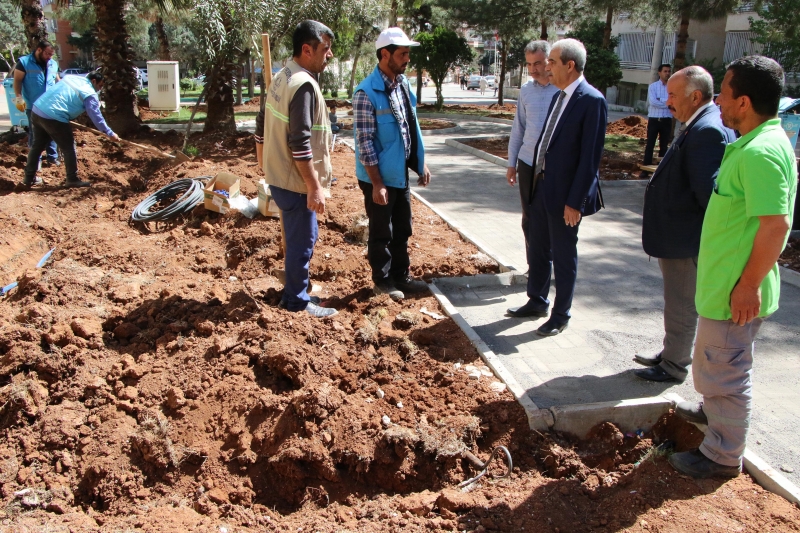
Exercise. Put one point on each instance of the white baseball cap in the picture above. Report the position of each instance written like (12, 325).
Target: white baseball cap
(394, 36)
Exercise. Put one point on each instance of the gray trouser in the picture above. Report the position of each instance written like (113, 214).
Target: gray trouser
(723, 362)
(680, 314)
(45, 131)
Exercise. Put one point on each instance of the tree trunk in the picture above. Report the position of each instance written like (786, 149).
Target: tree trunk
(114, 55)
(33, 20)
(353, 73)
(239, 78)
(502, 80)
(607, 29)
(680, 47)
(393, 14)
(251, 75)
(543, 35)
(219, 114)
(163, 41)
(419, 86)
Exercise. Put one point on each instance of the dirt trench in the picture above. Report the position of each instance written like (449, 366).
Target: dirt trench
(151, 383)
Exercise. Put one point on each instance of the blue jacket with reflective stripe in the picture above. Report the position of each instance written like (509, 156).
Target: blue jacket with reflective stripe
(37, 80)
(388, 140)
(64, 101)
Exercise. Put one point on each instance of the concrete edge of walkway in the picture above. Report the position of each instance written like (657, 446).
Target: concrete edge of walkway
(505, 265)
(790, 276)
(503, 163)
(492, 361)
(476, 118)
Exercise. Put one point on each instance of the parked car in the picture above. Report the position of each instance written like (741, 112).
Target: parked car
(490, 81)
(74, 72)
(143, 72)
(789, 106)
(474, 82)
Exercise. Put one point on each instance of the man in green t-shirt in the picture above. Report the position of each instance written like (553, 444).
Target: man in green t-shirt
(744, 232)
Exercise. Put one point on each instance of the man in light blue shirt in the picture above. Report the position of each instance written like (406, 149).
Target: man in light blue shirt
(534, 100)
(659, 119)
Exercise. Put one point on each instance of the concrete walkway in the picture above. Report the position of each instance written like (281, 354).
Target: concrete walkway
(617, 306)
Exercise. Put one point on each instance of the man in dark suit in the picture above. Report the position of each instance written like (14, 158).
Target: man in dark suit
(566, 186)
(675, 203)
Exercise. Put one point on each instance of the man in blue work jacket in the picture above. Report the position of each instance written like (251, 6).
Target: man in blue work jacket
(50, 121)
(388, 144)
(33, 75)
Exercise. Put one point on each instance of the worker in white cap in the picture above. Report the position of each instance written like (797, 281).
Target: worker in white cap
(388, 144)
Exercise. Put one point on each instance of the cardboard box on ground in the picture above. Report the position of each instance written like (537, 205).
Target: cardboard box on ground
(216, 200)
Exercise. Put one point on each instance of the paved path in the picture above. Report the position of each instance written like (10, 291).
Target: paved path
(617, 306)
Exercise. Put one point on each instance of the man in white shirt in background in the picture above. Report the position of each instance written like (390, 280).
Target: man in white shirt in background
(534, 100)
(659, 119)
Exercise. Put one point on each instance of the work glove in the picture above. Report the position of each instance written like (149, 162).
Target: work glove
(19, 102)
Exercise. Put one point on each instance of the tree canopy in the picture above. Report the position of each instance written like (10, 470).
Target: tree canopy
(602, 64)
(779, 31)
(438, 52)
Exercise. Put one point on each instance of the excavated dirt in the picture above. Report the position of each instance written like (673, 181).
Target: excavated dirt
(150, 383)
(633, 125)
(613, 165)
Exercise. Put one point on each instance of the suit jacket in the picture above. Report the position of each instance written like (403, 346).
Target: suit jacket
(572, 160)
(679, 190)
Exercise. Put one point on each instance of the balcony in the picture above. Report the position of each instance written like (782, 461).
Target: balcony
(635, 49)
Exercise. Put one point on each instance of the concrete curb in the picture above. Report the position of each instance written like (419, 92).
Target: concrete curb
(789, 276)
(500, 162)
(505, 266)
(769, 478)
(535, 419)
(474, 118)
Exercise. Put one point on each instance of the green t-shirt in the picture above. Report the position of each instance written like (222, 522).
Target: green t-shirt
(757, 177)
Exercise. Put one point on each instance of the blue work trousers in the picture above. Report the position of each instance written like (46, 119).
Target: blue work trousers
(300, 226)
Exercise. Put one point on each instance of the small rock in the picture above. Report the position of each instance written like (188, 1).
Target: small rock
(128, 393)
(58, 506)
(206, 229)
(175, 398)
(126, 330)
(218, 496)
(86, 328)
(475, 374)
(380, 394)
(497, 386)
(788, 469)
(386, 421)
(399, 405)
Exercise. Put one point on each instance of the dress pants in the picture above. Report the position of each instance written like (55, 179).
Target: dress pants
(52, 150)
(660, 128)
(680, 315)
(300, 225)
(389, 231)
(722, 369)
(525, 181)
(552, 246)
(45, 132)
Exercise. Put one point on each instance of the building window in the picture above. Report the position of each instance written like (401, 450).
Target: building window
(643, 94)
(739, 44)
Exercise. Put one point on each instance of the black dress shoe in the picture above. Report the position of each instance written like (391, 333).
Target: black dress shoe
(656, 373)
(551, 328)
(529, 309)
(648, 360)
(694, 463)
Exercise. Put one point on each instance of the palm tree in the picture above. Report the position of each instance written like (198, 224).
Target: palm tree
(33, 20)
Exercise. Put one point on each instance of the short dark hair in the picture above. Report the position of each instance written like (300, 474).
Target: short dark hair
(662, 65)
(389, 48)
(309, 32)
(95, 76)
(44, 43)
(759, 78)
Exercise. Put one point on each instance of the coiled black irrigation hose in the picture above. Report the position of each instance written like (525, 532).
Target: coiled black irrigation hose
(192, 190)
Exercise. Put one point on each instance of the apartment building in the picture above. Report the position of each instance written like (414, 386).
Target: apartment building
(642, 50)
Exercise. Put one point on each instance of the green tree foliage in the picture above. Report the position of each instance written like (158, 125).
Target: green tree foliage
(685, 10)
(779, 31)
(602, 64)
(438, 52)
(12, 34)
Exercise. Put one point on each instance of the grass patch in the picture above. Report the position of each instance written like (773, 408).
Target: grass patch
(623, 143)
(182, 116)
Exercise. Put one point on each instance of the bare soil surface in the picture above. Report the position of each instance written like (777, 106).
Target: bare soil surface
(150, 383)
(613, 165)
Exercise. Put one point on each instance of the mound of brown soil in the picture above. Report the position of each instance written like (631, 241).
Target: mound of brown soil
(633, 125)
(153, 384)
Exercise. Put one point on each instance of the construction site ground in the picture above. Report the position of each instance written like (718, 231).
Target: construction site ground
(151, 383)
